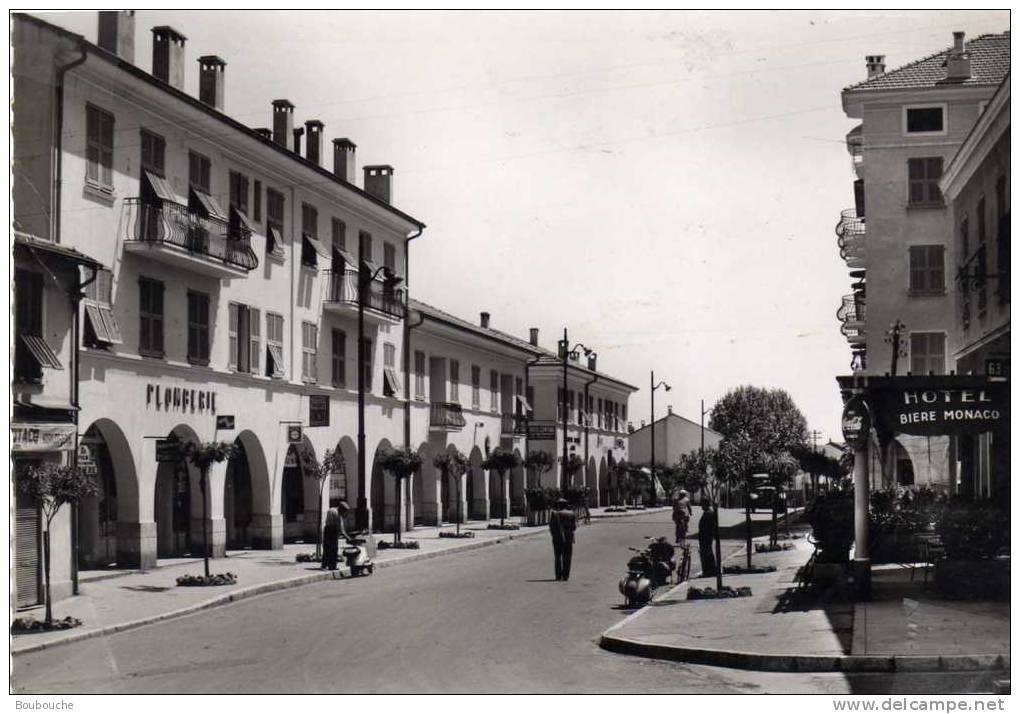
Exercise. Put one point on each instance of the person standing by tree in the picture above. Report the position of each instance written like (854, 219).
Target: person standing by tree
(682, 515)
(330, 540)
(562, 524)
(706, 533)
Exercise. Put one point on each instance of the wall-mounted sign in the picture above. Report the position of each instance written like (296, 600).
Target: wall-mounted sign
(856, 422)
(42, 437)
(294, 434)
(542, 432)
(318, 410)
(167, 451)
(942, 411)
(224, 422)
(996, 367)
(180, 399)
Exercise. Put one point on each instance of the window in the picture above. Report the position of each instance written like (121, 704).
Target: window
(365, 246)
(101, 328)
(391, 383)
(476, 386)
(419, 375)
(493, 390)
(924, 175)
(243, 328)
(274, 345)
(31, 353)
(454, 381)
(599, 412)
(198, 327)
(256, 206)
(1002, 239)
(529, 396)
(390, 257)
(198, 172)
(309, 233)
(99, 147)
(309, 348)
(274, 223)
(366, 364)
(339, 234)
(239, 192)
(150, 317)
(925, 120)
(571, 415)
(153, 153)
(927, 272)
(339, 358)
(927, 353)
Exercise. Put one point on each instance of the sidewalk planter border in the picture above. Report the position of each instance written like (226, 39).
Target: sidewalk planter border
(28, 625)
(207, 580)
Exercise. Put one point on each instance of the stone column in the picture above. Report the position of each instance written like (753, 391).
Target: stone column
(267, 531)
(480, 503)
(862, 496)
(136, 545)
(216, 479)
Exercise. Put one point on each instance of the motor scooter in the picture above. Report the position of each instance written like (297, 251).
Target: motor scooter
(358, 553)
(636, 586)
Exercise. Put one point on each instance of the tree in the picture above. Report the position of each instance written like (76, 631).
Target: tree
(501, 460)
(202, 456)
(452, 464)
(669, 479)
(402, 463)
(571, 468)
(332, 462)
(781, 472)
(52, 486)
(540, 461)
(758, 425)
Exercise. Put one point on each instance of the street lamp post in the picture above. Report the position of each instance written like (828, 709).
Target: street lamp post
(566, 353)
(652, 464)
(364, 280)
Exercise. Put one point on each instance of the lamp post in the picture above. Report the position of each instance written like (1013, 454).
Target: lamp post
(365, 279)
(566, 351)
(652, 464)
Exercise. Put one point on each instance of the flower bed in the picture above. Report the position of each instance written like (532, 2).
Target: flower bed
(22, 625)
(770, 548)
(455, 534)
(202, 580)
(307, 558)
(713, 594)
(402, 545)
(753, 570)
(504, 527)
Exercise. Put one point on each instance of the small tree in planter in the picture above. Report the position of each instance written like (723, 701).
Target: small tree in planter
(501, 461)
(781, 472)
(402, 463)
(831, 516)
(541, 462)
(52, 486)
(202, 456)
(332, 462)
(452, 464)
(571, 468)
(700, 471)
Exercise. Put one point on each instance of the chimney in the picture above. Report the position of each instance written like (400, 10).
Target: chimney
(876, 65)
(669, 408)
(379, 182)
(958, 61)
(211, 73)
(485, 320)
(313, 143)
(265, 133)
(591, 361)
(534, 336)
(297, 132)
(117, 33)
(168, 55)
(343, 159)
(283, 122)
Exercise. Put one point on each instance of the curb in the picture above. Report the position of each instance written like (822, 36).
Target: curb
(256, 590)
(806, 663)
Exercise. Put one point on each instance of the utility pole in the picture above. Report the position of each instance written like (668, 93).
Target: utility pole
(651, 465)
(894, 337)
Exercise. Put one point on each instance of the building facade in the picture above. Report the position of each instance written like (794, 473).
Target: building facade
(244, 291)
(898, 239)
(976, 186)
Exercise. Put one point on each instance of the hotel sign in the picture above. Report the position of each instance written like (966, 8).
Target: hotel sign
(931, 412)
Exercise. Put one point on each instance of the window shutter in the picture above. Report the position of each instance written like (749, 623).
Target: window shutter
(232, 332)
(254, 328)
(936, 268)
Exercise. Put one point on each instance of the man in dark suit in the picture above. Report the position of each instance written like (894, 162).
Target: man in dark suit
(562, 524)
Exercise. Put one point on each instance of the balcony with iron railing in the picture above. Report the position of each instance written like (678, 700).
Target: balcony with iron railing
(171, 233)
(855, 147)
(383, 301)
(852, 314)
(850, 237)
(446, 416)
(512, 424)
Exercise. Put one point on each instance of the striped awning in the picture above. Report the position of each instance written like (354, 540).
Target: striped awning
(316, 245)
(347, 257)
(162, 188)
(523, 402)
(242, 218)
(42, 352)
(208, 205)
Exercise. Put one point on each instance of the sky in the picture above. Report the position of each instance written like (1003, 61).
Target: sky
(663, 184)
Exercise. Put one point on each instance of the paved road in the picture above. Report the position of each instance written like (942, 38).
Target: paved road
(490, 620)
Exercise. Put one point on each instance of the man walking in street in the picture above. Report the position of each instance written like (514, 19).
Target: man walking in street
(682, 515)
(562, 524)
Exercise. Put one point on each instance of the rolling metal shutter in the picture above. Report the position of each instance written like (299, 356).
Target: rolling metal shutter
(27, 539)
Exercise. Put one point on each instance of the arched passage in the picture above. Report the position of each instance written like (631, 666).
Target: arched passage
(178, 503)
(591, 481)
(102, 542)
(454, 495)
(383, 491)
(345, 486)
(246, 493)
(300, 493)
(477, 487)
(517, 477)
(604, 482)
(425, 490)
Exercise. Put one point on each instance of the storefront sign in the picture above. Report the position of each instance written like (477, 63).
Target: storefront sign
(856, 422)
(542, 432)
(86, 462)
(943, 411)
(318, 410)
(294, 434)
(180, 399)
(167, 451)
(42, 437)
(224, 422)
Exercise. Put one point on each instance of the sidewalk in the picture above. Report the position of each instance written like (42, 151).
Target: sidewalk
(116, 600)
(905, 627)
